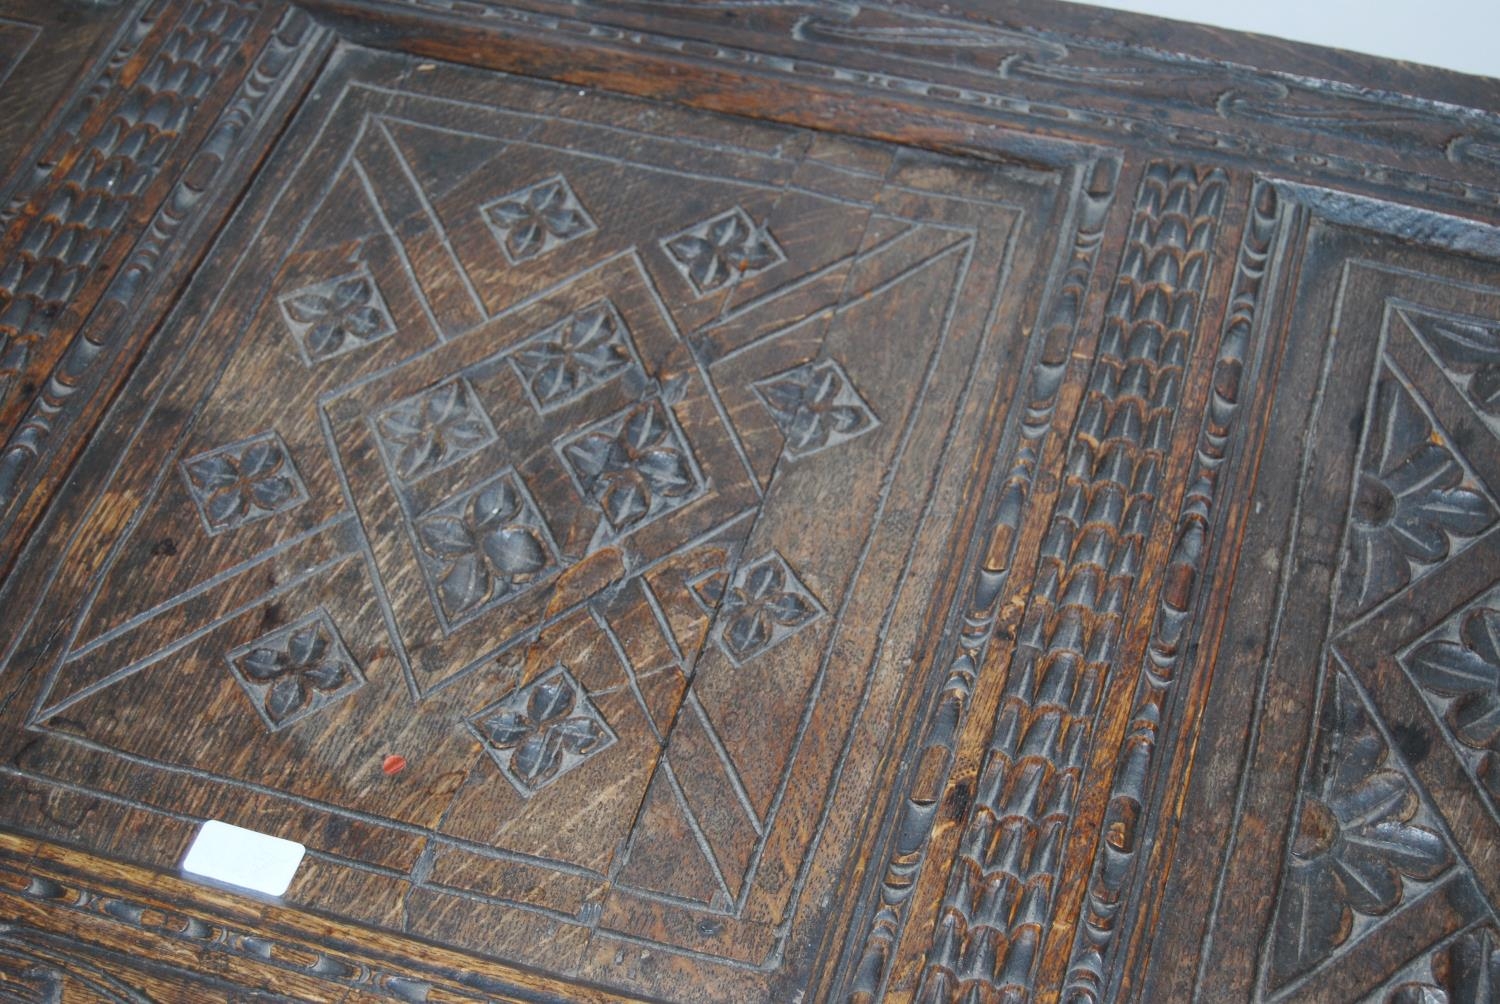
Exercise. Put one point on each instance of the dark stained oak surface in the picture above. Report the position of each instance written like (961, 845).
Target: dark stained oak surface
(745, 501)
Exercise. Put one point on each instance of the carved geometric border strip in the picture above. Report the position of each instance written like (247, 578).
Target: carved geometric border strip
(82, 367)
(1200, 515)
(1102, 518)
(913, 812)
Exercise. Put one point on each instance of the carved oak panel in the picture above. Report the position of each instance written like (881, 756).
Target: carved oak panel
(1011, 517)
(504, 440)
(1361, 645)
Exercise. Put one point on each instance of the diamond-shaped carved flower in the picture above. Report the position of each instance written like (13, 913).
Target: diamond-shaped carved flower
(483, 547)
(1410, 505)
(815, 406)
(580, 352)
(633, 466)
(295, 670)
(432, 429)
(243, 482)
(720, 250)
(337, 316)
(1356, 839)
(537, 219)
(1467, 674)
(542, 731)
(765, 603)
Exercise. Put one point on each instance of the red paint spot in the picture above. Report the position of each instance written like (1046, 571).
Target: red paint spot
(393, 764)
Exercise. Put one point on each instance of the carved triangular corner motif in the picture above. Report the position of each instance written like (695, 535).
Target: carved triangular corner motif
(1364, 842)
(1416, 501)
(1468, 351)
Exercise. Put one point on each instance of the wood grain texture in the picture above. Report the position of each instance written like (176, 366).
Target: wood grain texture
(1006, 513)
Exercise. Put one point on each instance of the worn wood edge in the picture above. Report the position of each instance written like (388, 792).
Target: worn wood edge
(210, 176)
(260, 942)
(1455, 163)
(623, 63)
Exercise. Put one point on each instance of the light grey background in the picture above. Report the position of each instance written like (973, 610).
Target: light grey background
(1457, 34)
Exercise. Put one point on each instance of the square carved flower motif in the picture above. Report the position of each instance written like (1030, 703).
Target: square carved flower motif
(430, 430)
(634, 465)
(537, 219)
(243, 482)
(564, 361)
(336, 316)
(761, 605)
(296, 670)
(542, 731)
(815, 406)
(483, 546)
(721, 250)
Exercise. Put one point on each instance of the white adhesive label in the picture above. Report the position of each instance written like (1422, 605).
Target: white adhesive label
(244, 858)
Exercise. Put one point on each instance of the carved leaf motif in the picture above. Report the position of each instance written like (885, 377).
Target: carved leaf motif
(551, 699)
(326, 676)
(579, 735)
(1356, 840)
(495, 505)
(1468, 673)
(264, 664)
(666, 471)
(1468, 349)
(285, 697)
(445, 536)
(515, 551)
(214, 472)
(1410, 505)
(306, 646)
(308, 308)
(538, 758)
(260, 459)
(465, 584)
(508, 728)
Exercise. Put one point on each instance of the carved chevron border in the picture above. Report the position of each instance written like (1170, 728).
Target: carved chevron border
(999, 900)
(976, 610)
(1126, 820)
(56, 253)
